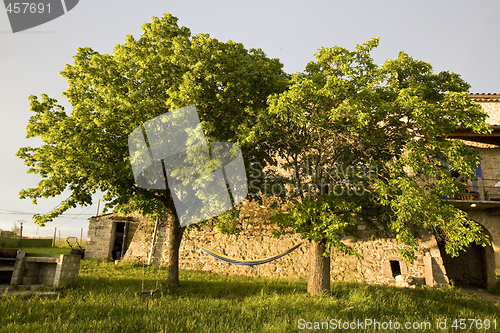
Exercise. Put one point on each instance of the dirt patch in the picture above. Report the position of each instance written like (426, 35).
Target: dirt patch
(481, 293)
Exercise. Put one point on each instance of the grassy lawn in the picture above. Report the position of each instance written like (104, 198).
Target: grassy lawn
(105, 300)
(51, 250)
(61, 247)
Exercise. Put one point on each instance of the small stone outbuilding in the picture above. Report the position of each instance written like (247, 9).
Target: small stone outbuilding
(109, 236)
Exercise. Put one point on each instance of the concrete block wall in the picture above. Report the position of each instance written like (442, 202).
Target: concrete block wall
(49, 271)
(66, 272)
(39, 273)
(19, 266)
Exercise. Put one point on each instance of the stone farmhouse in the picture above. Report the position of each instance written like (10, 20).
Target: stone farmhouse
(134, 238)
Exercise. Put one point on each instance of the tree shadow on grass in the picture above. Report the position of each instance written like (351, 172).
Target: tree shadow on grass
(209, 285)
(421, 301)
(348, 299)
(194, 284)
(222, 301)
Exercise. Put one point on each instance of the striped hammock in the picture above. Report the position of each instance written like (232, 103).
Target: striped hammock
(250, 263)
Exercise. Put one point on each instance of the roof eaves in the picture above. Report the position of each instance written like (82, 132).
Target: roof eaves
(484, 97)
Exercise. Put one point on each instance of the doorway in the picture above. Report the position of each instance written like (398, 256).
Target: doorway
(469, 268)
(120, 240)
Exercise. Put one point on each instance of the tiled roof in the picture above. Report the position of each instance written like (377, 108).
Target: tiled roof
(482, 97)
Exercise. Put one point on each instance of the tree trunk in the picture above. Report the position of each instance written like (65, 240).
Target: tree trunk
(174, 232)
(318, 282)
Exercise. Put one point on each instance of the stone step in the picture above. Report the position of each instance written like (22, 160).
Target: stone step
(47, 260)
(6, 268)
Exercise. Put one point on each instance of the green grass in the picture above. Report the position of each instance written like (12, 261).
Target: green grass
(61, 247)
(49, 250)
(105, 300)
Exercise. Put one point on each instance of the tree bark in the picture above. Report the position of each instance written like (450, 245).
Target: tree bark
(318, 282)
(174, 232)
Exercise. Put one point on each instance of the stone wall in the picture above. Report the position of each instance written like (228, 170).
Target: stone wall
(467, 268)
(490, 104)
(98, 245)
(140, 238)
(381, 262)
(490, 220)
(252, 243)
(490, 166)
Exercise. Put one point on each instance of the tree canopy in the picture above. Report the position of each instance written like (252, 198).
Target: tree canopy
(165, 69)
(367, 144)
(85, 150)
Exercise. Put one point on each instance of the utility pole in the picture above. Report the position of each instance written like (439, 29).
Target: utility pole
(20, 228)
(20, 231)
(54, 242)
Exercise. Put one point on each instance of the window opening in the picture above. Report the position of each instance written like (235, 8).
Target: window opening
(395, 268)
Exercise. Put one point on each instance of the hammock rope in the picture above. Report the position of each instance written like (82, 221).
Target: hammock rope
(250, 263)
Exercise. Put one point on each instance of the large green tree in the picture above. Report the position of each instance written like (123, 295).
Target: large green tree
(85, 150)
(360, 143)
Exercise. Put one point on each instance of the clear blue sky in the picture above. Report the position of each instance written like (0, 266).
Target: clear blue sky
(454, 35)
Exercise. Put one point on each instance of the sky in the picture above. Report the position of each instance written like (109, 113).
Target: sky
(453, 35)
